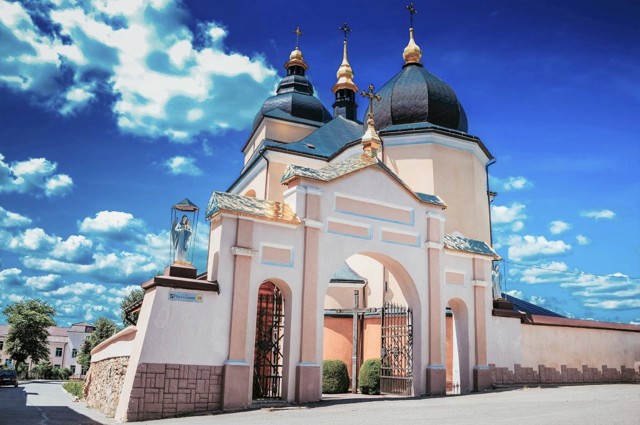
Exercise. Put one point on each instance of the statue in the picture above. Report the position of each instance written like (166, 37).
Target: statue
(180, 235)
(495, 280)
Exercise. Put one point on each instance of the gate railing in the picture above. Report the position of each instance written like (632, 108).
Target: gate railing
(396, 371)
(267, 366)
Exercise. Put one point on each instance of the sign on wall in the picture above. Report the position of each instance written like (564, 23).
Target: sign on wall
(186, 297)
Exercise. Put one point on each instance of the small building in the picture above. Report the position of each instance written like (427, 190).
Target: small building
(64, 346)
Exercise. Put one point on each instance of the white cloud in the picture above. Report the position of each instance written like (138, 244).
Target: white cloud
(528, 246)
(78, 288)
(583, 240)
(75, 248)
(182, 165)
(534, 299)
(12, 276)
(515, 293)
(510, 183)
(169, 81)
(34, 176)
(501, 214)
(34, 239)
(614, 304)
(109, 222)
(598, 214)
(517, 226)
(558, 226)
(12, 219)
(544, 273)
(41, 282)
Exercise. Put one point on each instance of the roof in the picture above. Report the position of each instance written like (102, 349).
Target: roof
(347, 274)
(82, 327)
(528, 308)
(325, 141)
(460, 243)
(58, 331)
(415, 95)
(249, 206)
(186, 205)
(352, 165)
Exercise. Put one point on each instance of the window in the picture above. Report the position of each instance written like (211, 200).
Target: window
(73, 369)
(59, 352)
(1, 345)
(74, 353)
(83, 371)
(56, 366)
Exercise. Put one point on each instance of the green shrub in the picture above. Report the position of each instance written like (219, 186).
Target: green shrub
(74, 388)
(335, 378)
(369, 377)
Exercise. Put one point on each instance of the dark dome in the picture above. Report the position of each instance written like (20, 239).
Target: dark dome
(415, 95)
(295, 97)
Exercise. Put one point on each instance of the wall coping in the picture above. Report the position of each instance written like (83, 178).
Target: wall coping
(181, 283)
(577, 323)
(126, 331)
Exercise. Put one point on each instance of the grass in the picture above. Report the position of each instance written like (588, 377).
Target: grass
(74, 388)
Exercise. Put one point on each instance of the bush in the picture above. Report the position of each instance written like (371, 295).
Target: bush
(369, 377)
(74, 388)
(335, 378)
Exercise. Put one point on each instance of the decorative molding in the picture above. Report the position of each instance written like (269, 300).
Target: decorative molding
(482, 283)
(312, 223)
(453, 142)
(434, 245)
(314, 191)
(244, 252)
(435, 215)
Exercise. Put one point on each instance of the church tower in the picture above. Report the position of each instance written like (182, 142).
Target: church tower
(345, 89)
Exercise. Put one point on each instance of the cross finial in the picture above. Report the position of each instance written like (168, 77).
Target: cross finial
(412, 11)
(371, 97)
(345, 29)
(298, 33)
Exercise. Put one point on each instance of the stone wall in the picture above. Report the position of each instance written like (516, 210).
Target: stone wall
(103, 384)
(167, 390)
(566, 375)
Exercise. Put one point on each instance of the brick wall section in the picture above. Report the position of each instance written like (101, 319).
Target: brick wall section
(103, 384)
(167, 390)
(566, 375)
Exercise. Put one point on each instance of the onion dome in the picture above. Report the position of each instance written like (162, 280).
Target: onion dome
(415, 95)
(345, 74)
(294, 94)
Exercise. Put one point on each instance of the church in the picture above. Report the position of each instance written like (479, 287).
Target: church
(346, 240)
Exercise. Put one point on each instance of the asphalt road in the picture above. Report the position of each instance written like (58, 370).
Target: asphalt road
(46, 404)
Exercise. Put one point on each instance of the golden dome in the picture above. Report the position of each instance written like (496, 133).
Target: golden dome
(345, 74)
(296, 58)
(412, 53)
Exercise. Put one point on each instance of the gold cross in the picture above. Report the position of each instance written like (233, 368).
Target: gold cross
(371, 97)
(412, 11)
(345, 29)
(298, 34)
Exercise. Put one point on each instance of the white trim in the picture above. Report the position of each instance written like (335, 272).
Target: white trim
(434, 245)
(249, 177)
(236, 362)
(288, 192)
(435, 215)
(361, 225)
(416, 235)
(410, 210)
(243, 252)
(346, 285)
(437, 139)
(370, 201)
(259, 220)
(465, 254)
(312, 223)
(314, 191)
(294, 158)
(482, 283)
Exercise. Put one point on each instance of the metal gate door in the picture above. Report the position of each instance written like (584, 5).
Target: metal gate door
(396, 371)
(267, 362)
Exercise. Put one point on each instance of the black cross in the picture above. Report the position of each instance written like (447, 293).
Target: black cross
(345, 29)
(412, 11)
(298, 34)
(371, 97)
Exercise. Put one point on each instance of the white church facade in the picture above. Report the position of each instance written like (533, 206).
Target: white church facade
(349, 240)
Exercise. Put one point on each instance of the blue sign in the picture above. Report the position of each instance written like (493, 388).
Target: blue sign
(184, 296)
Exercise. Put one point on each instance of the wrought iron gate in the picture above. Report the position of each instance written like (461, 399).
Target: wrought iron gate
(396, 372)
(267, 364)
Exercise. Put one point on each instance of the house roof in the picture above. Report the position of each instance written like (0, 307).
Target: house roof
(252, 207)
(352, 165)
(346, 274)
(82, 327)
(473, 246)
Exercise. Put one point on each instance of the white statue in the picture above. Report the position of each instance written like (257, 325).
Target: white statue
(180, 235)
(495, 280)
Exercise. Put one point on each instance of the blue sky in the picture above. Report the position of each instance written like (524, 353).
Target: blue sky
(108, 116)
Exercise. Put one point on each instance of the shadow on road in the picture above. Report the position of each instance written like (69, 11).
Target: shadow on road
(14, 410)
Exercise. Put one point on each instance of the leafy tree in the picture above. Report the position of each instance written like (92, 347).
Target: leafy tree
(104, 329)
(29, 330)
(134, 296)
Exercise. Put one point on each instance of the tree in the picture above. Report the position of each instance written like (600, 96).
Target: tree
(134, 296)
(104, 329)
(29, 323)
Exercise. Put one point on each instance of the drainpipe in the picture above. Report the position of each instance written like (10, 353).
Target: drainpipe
(266, 178)
(489, 198)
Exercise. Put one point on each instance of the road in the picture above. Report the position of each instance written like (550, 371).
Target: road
(48, 404)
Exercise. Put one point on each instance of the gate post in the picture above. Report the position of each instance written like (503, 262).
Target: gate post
(436, 371)
(481, 372)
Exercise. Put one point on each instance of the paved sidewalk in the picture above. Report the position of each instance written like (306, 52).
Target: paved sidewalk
(46, 403)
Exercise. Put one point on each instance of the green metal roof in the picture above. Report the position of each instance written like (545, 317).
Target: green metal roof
(460, 243)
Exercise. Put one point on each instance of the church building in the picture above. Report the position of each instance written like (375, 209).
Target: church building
(347, 240)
